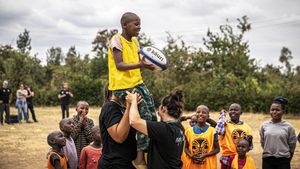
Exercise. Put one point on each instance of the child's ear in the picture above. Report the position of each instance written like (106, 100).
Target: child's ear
(53, 141)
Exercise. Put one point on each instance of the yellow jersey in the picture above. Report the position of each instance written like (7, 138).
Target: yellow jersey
(124, 79)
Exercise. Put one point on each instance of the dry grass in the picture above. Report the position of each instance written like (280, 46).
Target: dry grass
(24, 146)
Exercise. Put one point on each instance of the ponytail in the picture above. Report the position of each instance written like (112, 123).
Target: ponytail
(174, 103)
(106, 93)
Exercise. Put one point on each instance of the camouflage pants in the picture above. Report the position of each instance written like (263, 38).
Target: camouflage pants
(146, 109)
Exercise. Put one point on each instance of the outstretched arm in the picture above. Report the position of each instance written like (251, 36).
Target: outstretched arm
(220, 128)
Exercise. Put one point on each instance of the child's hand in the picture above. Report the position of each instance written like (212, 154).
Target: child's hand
(196, 159)
(201, 157)
(147, 65)
(83, 118)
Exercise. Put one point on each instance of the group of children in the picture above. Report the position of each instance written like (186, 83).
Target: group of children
(77, 144)
(234, 138)
(204, 139)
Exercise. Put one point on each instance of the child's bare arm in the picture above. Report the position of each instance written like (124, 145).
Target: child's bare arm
(120, 64)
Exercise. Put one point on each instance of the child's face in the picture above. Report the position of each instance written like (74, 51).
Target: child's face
(202, 114)
(82, 109)
(242, 147)
(276, 111)
(235, 112)
(193, 121)
(68, 126)
(133, 27)
(60, 140)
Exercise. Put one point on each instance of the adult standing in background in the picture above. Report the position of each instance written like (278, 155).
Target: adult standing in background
(29, 100)
(65, 95)
(277, 138)
(5, 99)
(22, 103)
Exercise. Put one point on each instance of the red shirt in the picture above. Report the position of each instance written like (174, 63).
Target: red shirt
(89, 157)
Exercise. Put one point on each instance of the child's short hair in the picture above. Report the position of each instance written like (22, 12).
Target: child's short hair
(63, 122)
(238, 105)
(204, 107)
(95, 129)
(126, 17)
(82, 103)
(51, 136)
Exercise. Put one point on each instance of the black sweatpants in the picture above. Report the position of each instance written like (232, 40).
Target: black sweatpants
(4, 107)
(64, 110)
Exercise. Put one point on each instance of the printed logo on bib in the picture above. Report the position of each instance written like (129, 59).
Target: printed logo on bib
(238, 134)
(200, 146)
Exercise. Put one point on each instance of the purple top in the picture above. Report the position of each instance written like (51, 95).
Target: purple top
(70, 152)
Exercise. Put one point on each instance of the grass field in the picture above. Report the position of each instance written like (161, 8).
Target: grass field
(24, 146)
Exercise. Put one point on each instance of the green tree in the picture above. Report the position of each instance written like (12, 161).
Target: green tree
(54, 56)
(24, 41)
(285, 57)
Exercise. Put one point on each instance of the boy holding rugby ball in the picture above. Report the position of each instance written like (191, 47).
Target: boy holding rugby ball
(124, 66)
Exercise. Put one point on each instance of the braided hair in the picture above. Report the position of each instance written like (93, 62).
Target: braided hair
(281, 101)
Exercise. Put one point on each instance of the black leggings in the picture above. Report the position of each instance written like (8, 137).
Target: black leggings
(30, 107)
(276, 163)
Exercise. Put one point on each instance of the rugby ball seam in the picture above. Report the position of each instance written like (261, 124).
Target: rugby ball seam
(163, 67)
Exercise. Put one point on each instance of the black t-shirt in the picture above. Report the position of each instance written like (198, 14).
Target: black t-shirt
(29, 99)
(65, 100)
(115, 155)
(166, 145)
(4, 94)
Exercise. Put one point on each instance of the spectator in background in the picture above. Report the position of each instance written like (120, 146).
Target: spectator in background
(65, 95)
(29, 100)
(22, 104)
(5, 99)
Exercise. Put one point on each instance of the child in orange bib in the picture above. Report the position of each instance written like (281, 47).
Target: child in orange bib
(242, 160)
(56, 158)
(201, 144)
(230, 132)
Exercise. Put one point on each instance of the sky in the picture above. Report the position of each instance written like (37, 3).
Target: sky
(64, 23)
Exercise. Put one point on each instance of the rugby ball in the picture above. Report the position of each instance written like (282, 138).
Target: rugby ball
(154, 56)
